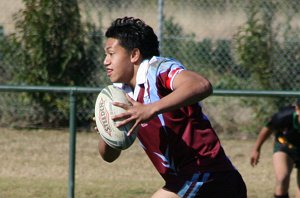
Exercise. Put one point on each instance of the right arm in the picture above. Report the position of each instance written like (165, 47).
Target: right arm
(264, 134)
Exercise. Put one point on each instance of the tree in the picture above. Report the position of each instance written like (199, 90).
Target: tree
(52, 47)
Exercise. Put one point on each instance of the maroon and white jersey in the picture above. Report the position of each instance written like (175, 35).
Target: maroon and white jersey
(180, 142)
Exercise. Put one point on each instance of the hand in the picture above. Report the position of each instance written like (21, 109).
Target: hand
(95, 127)
(254, 159)
(135, 112)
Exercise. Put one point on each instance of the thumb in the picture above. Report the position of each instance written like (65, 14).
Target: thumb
(131, 101)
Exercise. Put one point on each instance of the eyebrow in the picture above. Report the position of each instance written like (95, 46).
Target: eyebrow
(107, 48)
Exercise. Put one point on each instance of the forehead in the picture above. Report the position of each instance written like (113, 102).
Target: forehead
(112, 43)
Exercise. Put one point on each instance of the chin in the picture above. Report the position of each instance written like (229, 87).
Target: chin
(112, 80)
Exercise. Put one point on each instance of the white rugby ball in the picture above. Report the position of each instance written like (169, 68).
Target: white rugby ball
(104, 109)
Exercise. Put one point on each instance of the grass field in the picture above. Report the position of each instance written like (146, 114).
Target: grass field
(34, 164)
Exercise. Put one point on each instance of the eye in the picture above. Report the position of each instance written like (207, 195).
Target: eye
(109, 53)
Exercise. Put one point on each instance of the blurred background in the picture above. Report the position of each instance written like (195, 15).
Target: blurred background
(236, 44)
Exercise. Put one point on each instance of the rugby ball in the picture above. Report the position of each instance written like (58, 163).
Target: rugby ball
(104, 109)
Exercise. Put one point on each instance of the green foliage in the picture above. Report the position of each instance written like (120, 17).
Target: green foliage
(222, 56)
(51, 46)
(182, 46)
(171, 44)
(51, 40)
(209, 59)
(204, 51)
(272, 62)
(254, 46)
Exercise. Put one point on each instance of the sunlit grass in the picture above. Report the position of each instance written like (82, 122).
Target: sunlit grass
(34, 164)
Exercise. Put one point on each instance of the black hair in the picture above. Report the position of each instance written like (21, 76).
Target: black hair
(134, 33)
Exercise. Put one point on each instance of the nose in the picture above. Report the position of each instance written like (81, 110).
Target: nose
(106, 61)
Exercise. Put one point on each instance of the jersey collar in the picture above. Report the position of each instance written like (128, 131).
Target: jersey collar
(142, 72)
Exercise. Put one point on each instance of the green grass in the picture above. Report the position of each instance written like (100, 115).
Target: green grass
(34, 164)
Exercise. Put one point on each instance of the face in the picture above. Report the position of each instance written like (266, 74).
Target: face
(118, 62)
(298, 113)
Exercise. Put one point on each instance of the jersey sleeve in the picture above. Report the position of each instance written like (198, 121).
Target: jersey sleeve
(280, 119)
(273, 122)
(167, 72)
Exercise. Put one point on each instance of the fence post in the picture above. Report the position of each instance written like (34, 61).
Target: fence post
(72, 144)
(160, 22)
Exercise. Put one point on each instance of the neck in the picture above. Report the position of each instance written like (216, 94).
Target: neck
(132, 82)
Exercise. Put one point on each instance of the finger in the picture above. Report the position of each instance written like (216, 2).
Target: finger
(125, 121)
(121, 116)
(119, 104)
(254, 162)
(132, 129)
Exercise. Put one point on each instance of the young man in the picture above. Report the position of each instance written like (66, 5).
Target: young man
(286, 153)
(175, 134)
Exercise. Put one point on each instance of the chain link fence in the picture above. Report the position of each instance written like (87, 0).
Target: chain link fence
(236, 44)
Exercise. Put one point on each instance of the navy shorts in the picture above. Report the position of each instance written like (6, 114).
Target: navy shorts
(210, 185)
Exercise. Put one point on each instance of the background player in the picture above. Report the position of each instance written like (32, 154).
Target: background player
(285, 124)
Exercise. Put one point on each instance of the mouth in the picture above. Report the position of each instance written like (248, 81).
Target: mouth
(109, 72)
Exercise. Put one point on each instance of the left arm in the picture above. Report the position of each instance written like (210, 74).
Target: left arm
(189, 87)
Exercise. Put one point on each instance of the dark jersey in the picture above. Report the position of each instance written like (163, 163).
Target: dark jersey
(285, 123)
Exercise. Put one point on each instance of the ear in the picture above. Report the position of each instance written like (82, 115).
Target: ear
(135, 55)
(297, 110)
